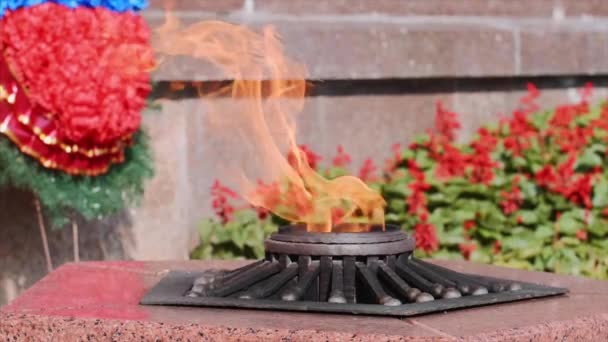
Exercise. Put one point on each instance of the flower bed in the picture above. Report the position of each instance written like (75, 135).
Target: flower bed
(530, 192)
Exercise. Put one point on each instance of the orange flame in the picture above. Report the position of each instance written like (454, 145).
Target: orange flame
(252, 122)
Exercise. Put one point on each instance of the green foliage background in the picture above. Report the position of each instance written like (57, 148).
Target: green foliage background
(544, 233)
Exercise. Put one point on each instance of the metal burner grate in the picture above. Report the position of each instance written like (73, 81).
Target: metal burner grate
(359, 273)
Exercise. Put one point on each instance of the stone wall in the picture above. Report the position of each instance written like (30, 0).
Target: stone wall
(384, 64)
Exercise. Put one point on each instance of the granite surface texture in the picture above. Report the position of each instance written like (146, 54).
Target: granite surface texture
(98, 301)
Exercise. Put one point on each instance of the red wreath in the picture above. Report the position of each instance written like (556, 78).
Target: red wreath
(89, 67)
(86, 76)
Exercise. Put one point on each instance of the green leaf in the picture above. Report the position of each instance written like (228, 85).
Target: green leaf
(489, 234)
(423, 160)
(570, 241)
(528, 217)
(462, 215)
(452, 237)
(600, 194)
(588, 159)
(529, 189)
(544, 232)
(598, 228)
(396, 205)
(571, 221)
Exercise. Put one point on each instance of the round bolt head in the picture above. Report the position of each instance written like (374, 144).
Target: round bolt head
(514, 287)
(337, 297)
(480, 291)
(450, 292)
(289, 296)
(412, 294)
(496, 287)
(424, 297)
(390, 301)
(464, 289)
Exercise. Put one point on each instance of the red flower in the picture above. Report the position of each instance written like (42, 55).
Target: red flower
(466, 249)
(468, 225)
(512, 199)
(396, 159)
(306, 155)
(486, 142)
(581, 234)
(262, 213)
(573, 139)
(516, 144)
(562, 117)
(605, 212)
(367, 170)
(483, 168)
(529, 100)
(497, 247)
(451, 163)
(342, 159)
(586, 92)
(416, 202)
(520, 125)
(602, 121)
(545, 176)
(426, 237)
(415, 170)
(446, 122)
(563, 180)
(580, 191)
(220, 196)
(312, 158)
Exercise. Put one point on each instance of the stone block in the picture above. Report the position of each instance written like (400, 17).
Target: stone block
(517, 8)
(558, 50)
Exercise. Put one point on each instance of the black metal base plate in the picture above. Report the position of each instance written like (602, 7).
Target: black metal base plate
(172, 290)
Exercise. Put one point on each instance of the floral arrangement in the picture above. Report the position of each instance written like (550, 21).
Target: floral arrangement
(74, 78)
(529, 192)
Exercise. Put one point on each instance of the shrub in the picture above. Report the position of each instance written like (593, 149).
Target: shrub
(529, 192)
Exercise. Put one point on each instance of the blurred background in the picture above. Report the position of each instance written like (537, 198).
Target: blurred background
(377, 69)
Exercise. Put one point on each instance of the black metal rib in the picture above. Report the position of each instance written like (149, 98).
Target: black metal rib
(325, 278)
(479, 285)
(349, 279)
(495, 285)
(284, 260)
(390, 261)
(247, 278)
(400, 287)
(373, 285)
(337, 284)
(295, 292)
(311, 293)
(465, 286)
(449, 287)
(371, 263)
(271, 285)
(418, 281)
(226, 276)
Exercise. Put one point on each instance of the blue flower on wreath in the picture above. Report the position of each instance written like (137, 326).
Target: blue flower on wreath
(114, 5)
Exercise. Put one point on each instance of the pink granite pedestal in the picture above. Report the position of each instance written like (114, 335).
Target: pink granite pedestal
(98, 301)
